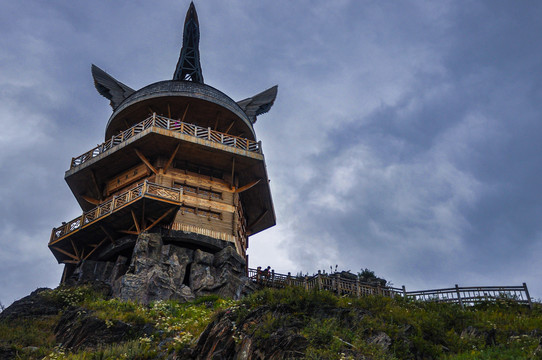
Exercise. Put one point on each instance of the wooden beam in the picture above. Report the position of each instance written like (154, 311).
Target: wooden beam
(146, 161)
(232, 172)
(129, 232)
(159, 219)
(90, 200)
(135, 222)
(65, 253)
(170, 160)
(143, 222)
(70, 262)
(216, 121)
(260, 218)
(96, 186)
(247, 186)
(107, 233)
(93, 250)
(229, 127)
(65, 274)
(185, 111)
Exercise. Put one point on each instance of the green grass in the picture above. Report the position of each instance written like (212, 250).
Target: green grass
(334, 327)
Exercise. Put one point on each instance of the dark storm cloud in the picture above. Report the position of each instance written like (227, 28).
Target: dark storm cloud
(405, 137)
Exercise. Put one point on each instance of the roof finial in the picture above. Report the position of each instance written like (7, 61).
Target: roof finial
(189, 67)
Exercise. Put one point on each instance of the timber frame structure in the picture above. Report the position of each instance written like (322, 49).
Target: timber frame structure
(178, 155)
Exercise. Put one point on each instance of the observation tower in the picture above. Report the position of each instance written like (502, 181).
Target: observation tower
(179, 157)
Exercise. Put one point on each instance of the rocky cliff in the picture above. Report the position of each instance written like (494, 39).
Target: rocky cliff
(156, 270)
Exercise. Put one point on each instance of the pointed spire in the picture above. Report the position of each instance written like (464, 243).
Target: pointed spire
(189, 67)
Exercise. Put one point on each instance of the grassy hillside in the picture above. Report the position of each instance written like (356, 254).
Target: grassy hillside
(325, 327)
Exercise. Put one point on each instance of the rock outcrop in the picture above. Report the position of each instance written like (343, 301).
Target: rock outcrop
(164, 271)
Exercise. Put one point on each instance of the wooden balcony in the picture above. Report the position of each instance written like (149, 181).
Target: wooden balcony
(72, 239)
(177, 126)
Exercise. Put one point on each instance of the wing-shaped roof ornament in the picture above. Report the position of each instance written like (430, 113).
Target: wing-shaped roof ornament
(109, 87)
(259, 104)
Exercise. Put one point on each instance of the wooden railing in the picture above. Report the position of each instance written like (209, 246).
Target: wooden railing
(320, 281)
(459, 295)
(112, 205)
(173, 125)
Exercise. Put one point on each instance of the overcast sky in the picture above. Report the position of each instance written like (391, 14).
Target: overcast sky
(405, 138)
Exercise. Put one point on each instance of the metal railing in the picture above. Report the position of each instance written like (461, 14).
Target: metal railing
(342, 286)
(172, 125)
(114, 204)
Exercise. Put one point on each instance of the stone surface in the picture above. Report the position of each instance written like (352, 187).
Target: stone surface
(226, 339)
(80, 328)
(163, 271)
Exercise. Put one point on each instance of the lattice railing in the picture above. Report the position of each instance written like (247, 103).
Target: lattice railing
(459, 295)
(173, 125)
(114, 204)
(202, 231)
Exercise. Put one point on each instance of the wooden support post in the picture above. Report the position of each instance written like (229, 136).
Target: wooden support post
(258, 273)
(65, 253)
(185, 111)
(75, 250)
(135, 222)
(96, 186)
(459, 296)
(289, 279)
(170, 160)
(306, 282)
(216, 121)
(108, 234)
(229, 127)
(64, 274)
(319, 279)
(168, 111)
(143, 222)
(159, 219)
(273, 277)
(146, 161)
(404, 292)
(93, 250)
(527, 295)
(232, 172)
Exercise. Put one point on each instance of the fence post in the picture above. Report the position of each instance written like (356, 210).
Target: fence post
(527, 294)
(459, 296)
(319, 280)
(358, 288)
(306, 283)
(208, 133)
(273, 277)
(153, 119)
(333, 283)
(289, 279)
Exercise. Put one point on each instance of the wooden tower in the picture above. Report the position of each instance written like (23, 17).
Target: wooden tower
(179, 157)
